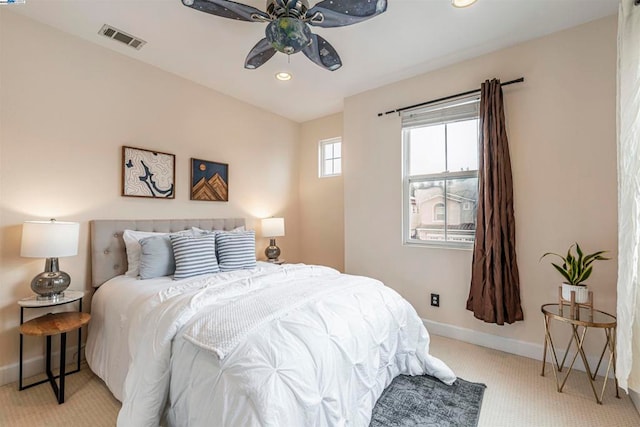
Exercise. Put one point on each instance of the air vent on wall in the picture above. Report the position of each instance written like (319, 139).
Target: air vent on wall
(121, 36)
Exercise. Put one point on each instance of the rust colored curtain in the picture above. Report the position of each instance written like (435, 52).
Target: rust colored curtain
(494, 295)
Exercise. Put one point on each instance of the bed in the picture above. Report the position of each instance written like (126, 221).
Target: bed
(273, 345)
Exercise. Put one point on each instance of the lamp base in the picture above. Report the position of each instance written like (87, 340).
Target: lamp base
(272, 252)
(51, 283)
(50, 298)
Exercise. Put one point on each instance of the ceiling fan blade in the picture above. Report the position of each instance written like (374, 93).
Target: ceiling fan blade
(338, 13)
(322, 53)
(228, 9)
(261, 53)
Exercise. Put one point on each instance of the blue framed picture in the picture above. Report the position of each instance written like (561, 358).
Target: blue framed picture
(147, 173)
(209, 181)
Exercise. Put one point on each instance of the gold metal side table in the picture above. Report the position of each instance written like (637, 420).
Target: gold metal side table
(584, 318)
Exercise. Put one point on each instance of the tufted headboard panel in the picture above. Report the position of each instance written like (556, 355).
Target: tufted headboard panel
(108, 254)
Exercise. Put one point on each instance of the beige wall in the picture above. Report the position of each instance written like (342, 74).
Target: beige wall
(67, 107)
(321, 199)
(561, 124)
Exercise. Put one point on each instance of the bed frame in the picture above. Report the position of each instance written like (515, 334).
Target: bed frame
(108, 255)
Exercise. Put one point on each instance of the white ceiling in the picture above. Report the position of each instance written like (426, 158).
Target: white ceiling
(412, 37)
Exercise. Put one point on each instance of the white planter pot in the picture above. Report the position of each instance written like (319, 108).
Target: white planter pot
(582, 293)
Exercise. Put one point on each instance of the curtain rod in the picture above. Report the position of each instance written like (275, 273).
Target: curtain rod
(446, 98)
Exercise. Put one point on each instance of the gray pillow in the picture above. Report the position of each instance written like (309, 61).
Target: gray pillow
(156, 257)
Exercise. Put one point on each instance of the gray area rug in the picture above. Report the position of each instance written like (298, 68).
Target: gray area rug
(427, 402)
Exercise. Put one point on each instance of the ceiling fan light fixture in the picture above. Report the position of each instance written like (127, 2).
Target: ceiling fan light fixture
(283, 76)
(288, 35)
(462, 3)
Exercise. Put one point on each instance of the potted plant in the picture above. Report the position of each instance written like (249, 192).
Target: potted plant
(575, 270)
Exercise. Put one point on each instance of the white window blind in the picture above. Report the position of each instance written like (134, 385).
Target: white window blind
(452, 111)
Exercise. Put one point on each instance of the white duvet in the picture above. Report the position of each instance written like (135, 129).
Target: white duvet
(302, 346)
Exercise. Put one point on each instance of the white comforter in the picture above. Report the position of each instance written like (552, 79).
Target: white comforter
(322, 362)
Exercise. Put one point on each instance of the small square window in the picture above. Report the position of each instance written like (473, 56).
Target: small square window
(330, 157)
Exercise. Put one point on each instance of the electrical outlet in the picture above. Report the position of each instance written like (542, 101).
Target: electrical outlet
(435, 300)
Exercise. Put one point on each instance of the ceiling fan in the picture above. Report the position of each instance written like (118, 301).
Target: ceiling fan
(288, 29)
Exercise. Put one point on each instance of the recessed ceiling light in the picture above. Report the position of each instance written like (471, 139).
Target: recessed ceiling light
(283, 76)
(462, 3)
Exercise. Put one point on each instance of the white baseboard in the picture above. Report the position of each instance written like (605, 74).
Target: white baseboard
(36, 365)
(508, 345)
(635, 398)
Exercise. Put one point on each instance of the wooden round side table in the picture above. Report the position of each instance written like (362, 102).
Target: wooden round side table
(56, 324)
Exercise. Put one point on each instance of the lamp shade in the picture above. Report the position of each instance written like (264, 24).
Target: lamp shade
(49, 239)
(273, 227)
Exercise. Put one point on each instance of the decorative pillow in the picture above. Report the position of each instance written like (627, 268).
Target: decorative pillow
(195, 255)
(156, 257)
(132, 244)
(236, 250)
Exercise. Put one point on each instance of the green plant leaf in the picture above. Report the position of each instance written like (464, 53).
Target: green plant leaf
(569, 258)
(551, 253)
(574, 272)
(585, 275)
(579, 261)
(563, 272)
(595, 256)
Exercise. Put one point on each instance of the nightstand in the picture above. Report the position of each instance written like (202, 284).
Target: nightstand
(61, 325)
(585, 318)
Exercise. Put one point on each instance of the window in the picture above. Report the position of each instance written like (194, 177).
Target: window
(438, 212)
(440, 151)
(330, 157)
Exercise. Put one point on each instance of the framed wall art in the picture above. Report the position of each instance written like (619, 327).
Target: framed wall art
(147, 173)
(209, 181)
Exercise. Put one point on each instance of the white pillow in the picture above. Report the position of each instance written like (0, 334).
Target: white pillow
(197, 230)
(132, 244)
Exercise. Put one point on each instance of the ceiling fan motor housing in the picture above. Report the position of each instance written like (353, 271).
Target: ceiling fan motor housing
(294, 8)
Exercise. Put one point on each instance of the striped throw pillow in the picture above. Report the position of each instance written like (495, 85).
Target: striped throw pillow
(195, 255)
(236, 250)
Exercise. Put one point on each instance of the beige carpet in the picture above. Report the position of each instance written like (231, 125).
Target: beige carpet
(88, 402)
(516, 395)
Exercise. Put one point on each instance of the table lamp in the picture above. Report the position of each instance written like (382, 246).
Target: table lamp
(272, 228)
(50, 240)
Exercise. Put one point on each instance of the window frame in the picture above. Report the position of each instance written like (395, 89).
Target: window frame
(321, 160)
(409, 180)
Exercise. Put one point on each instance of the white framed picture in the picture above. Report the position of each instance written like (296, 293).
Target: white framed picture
(148, 173)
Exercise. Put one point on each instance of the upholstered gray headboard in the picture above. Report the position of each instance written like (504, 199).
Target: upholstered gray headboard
(108, 255)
